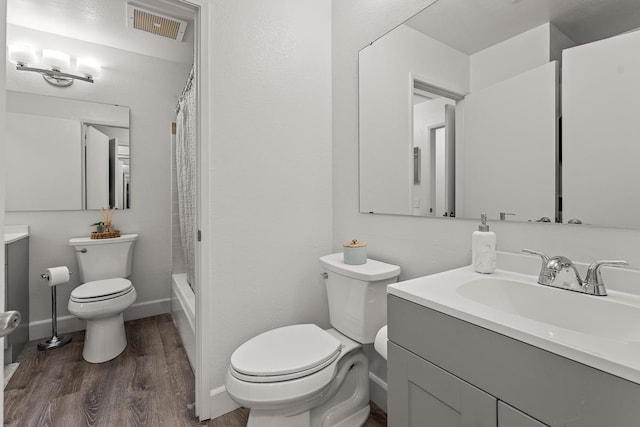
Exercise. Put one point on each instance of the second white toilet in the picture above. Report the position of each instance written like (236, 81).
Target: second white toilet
(104, 265)
(303, 376)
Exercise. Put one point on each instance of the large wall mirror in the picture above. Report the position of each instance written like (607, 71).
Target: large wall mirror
(66, 154)
(522, 110)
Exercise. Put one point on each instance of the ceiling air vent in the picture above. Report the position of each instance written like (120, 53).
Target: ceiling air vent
(155, 23)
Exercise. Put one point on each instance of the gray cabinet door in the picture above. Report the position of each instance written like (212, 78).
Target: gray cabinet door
(17, 294)
(509, 416)
(423, 395)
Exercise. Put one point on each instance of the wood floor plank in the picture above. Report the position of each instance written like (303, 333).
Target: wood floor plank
(378, 417)
(180, 377)
(94, 391)
(237, 418)
(62, 411)
(150, 384)
(13, 406)
(43, 380)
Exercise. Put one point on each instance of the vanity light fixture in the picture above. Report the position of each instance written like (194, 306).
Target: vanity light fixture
(55, 65)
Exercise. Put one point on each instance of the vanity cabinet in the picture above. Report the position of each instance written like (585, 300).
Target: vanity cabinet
(447, 372)
(16, 297)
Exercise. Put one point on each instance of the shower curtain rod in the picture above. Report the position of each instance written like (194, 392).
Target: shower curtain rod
(186, 88)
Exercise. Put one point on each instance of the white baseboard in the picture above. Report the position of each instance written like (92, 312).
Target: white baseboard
(66, 324)
(378, 391)
(221, 403)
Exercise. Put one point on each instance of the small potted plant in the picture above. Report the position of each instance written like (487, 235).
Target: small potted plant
(99, 226)
(105, 228)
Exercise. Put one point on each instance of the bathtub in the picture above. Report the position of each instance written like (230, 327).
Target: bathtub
(183, 310)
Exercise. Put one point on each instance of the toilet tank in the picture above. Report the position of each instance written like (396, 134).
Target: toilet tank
(104, 258)
(358, 295)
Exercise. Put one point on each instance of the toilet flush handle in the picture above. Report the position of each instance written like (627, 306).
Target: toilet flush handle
(324, 275)
(83, 250)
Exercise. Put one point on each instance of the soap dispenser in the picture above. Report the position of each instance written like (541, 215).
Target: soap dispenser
(483, 248)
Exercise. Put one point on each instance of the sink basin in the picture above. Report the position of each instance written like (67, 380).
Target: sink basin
(601, 332)
(607, 318)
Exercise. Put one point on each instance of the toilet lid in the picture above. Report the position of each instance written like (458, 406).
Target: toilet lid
(284, 352)
(101, 288)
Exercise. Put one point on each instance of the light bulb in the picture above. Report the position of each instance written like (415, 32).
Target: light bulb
(22, 54)
(88, 67)
(56, 60)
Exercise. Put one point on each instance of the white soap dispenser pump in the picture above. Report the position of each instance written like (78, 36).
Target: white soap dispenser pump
(483, 248)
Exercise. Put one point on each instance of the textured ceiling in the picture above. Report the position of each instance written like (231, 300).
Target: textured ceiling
(104, 22)
(472, 25)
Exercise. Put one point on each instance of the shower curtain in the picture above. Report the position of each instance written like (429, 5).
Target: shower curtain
(187, 174)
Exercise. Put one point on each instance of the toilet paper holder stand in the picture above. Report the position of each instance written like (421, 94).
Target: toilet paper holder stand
(56, 340)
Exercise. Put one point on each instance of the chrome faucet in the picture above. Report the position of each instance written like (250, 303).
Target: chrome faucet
(560, 272)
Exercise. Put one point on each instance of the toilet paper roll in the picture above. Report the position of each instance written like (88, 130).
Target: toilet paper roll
(380, 343)
(57, 275)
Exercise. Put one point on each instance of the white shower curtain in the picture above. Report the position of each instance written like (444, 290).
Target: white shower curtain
(187, 174)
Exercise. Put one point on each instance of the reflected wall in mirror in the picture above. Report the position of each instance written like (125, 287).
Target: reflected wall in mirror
(503, 151)
(82, 146)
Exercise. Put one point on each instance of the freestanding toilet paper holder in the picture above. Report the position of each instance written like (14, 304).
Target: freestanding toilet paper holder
(55, 341)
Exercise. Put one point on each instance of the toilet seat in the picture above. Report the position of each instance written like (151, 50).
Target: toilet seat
(284, 354)
(101, 290)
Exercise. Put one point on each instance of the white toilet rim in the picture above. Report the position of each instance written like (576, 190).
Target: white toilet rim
(285, 393)
(102, 297)
(284, 377)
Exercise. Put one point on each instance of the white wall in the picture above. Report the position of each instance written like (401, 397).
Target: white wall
(385, 116)
(517, 55)
(270, 171)
(509, 148)
(510, 57)
(601, 133)
(149, 87)
(49, 170)
(426, 245)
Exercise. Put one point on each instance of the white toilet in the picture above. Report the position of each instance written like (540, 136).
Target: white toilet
(103, 265)
(302, 375)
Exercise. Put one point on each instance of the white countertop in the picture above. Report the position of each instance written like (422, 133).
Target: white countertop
(617, 354)
(13, 233)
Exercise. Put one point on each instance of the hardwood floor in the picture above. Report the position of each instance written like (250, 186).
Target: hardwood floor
(149, 384)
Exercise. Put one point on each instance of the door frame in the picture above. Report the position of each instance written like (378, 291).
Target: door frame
(3, 128)
(202, 67)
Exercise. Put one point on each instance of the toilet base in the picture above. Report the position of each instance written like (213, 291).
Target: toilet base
(345, 403)
(104, 339)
